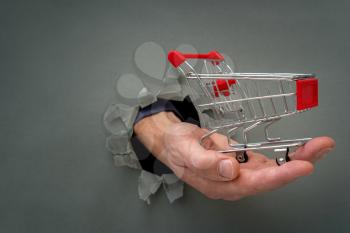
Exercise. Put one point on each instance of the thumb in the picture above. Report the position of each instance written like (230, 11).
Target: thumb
(211, 164)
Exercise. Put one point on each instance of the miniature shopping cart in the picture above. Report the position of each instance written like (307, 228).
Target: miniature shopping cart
(232, 103)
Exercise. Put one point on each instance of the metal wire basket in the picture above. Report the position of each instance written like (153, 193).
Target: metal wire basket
(229, 102)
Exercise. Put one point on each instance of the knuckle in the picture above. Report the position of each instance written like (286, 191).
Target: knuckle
(202, 162)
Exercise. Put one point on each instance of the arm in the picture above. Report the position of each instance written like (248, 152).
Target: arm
(151, 131)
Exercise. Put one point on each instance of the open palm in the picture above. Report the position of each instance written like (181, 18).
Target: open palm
(200, 166)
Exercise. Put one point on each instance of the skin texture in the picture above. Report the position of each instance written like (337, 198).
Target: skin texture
(176, 144)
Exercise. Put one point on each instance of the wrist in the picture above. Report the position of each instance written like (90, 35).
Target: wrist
(152, 129)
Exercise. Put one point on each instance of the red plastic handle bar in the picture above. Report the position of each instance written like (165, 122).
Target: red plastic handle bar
(176, 58)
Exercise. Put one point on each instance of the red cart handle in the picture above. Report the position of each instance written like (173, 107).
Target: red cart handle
(176, 58)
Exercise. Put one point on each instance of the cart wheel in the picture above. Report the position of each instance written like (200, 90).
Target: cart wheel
(283, 159)
(242, 157)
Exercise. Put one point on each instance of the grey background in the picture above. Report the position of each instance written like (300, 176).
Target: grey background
(59, 61)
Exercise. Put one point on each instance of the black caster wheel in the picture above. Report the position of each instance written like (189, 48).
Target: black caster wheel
(242, 157)
(284, 158)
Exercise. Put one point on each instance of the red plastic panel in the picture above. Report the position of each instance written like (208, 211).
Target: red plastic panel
(223, 87)
(307, 93)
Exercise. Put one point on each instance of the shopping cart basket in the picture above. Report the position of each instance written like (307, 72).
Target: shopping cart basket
(235, 103)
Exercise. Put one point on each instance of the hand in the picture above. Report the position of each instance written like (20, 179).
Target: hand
(218, 175)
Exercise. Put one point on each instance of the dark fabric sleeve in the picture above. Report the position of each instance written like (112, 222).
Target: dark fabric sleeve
(160, 105)
(184, 110)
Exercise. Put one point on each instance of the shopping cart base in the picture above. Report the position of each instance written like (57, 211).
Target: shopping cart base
(281, 148)
(280, 144)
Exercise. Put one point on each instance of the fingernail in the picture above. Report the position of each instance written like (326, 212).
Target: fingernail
(323, 153)
(226, 169)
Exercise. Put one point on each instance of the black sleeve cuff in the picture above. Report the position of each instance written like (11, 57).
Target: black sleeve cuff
(160, 106)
